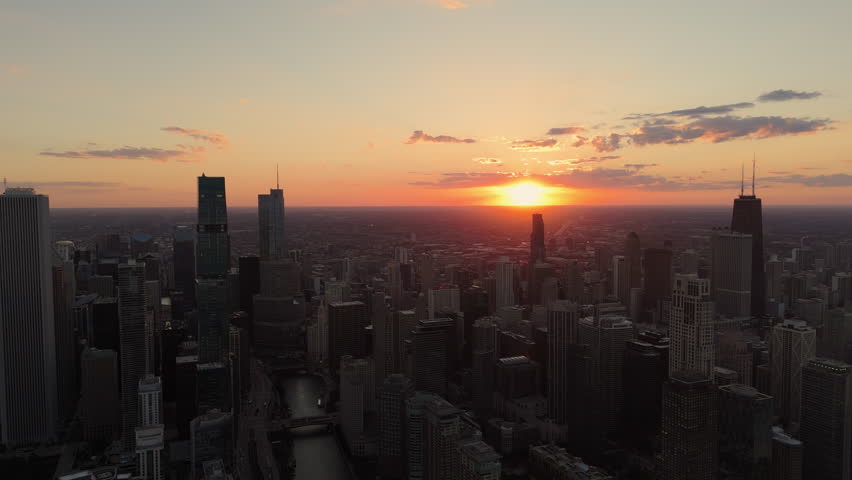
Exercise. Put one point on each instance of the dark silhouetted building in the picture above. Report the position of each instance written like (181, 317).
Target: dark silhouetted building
(688, 434)
(184, 262)
(826, 425)
(393, 395)
(346, 324)
(748, 218)
(745, 431)
(270, 219)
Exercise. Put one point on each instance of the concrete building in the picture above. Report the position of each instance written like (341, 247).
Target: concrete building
(346, 324)
(477, 461)
(134, 351)
(607, 338)
(504, 272)
(691, 328)
(786, 456)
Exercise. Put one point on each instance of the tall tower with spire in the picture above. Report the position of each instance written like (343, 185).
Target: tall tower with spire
(748, 218)
(537, 255)
(270, 218)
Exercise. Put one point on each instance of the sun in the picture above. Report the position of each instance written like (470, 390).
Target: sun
(525, 194)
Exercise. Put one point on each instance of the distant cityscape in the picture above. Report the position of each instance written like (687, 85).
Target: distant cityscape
(565, 343)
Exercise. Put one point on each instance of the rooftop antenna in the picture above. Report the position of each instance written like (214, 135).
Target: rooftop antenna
(753, 168)
(742, 179)
(5, 186)
(277, 186)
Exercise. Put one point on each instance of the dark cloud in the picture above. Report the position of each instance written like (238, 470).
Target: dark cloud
(213, 138)
(605, 144)
(543, 145)
(785, 95)
(630, 178)
(419, 136)
(638, 166)
(180, 153)
(694, 112)
(579, 161)
(829, 180)
(565, 130)
(488, 161)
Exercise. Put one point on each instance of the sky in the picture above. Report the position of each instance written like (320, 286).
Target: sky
(427, 102)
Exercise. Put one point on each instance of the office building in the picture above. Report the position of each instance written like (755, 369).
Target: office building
(270, 219)
(826, 419)
(477, 461)
(745, 431)
(792, 346)
(731, 271)
(212, 260)
(150, 400)
(645, 370)
(483, 357)
(633, 257)
(658, 276)
(99, 396)
(355, 394)
(443, 301)
(28, 392)
(688, 439)
(431, 349)
(786, 456)
(184, 262)
(562, 324)
(149, 446)
(133, 349)
(67, 361)
(607, 338)
(691, 326)
(442, 431)
(504, 272)
(211, 438)
(346, 324)
(747, 218)
(555, 463)
(249, 282)
(621, 279)
(393, 396)
(415, 426)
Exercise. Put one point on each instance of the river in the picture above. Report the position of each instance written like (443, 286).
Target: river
(316, 451)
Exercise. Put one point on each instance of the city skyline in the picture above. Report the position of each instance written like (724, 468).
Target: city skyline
(433, 118)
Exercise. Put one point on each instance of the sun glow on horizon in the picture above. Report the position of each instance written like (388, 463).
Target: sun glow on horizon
(527, 194)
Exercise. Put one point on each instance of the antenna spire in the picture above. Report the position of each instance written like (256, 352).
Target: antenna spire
(742, 179)
(277, 185)
(753, 169)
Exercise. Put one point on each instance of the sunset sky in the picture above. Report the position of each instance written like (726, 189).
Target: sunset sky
(427, 102)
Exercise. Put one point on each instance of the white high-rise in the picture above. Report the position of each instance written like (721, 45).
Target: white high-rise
(504, 272)
(691, 326)
(28, 395)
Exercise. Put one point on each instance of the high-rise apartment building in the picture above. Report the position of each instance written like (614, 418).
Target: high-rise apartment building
(213, 256)
(133, 349)
(691, 326)
(792, 346)
(430, 351)
(28, 393)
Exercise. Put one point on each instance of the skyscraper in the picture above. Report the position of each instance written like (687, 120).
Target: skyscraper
(747, 218)
(688, 430)
(393, 396)
(270, 217)
(562, 321)
(431, 351)
(537, 255)
(346, 323)
(184, 262)
(28, 395)
(658, 275)
(149, 433)
(99, 399)
(212, 262)
(504, 272)
(792, 346)
(607, 338)
(731, 272)
(442, 431)
(691, 328)
(633, 256)
(826, 427)
(745, 428)
(645, 369)
(134, 351)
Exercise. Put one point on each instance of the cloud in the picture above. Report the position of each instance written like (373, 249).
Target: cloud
(543, 145)
(565, 130)
(619, 178)
(488, 161)
(579, 161)
(694, 112)
(179, 153)
(830, 180)
(213, 138)
(69, 184)
(785, 95)
(639, 166)
(709, 129)
(419, 136)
